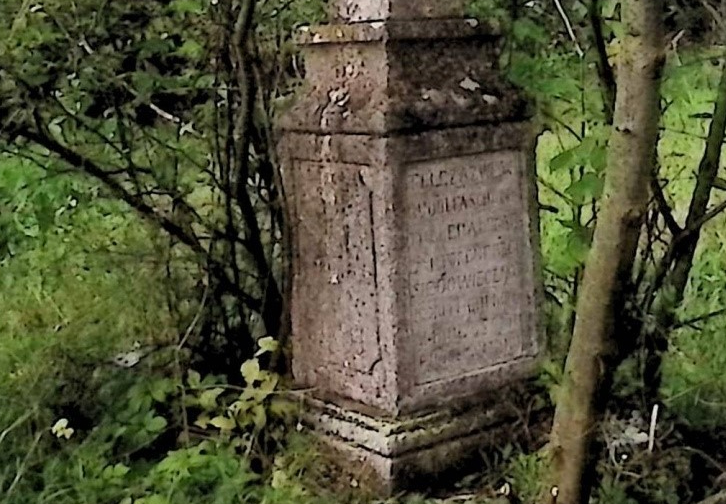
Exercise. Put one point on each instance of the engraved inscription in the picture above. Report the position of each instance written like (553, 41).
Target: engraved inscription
(466, 228)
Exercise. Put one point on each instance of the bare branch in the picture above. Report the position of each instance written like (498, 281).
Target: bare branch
(701, 318)
(568, 26)
(604, 69)
(664, 208)
(83, 164)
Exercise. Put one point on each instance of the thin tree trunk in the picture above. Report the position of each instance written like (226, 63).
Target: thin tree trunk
(685, 246)
(594, 346)
(604, 70)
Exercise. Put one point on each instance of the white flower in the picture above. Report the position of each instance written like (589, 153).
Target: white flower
(60, 429)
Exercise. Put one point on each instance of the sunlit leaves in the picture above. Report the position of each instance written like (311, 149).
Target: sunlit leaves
(187, 6)
(61, 429)
(249, 408)
(194, 379)
(115, 471)
(250, 370)
(208, 398)
(223, 423)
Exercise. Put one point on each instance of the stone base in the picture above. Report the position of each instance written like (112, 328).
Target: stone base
(391, 454)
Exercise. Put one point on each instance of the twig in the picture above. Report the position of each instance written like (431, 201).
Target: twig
(570, 31)
(674, 45)
(719, 183)
(714, 212)
(708, 458)
(22, 467)
(172, 227)
(196, 318)
(16, 424)
(605, 70)
(719, 498)
(664, 208)
(166, 115)
(714, 13)
(556, 191)
(651, 431)
(562, 123)
(177, 361)
(700, 318)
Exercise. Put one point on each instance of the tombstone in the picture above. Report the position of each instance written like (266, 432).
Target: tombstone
(408, 164)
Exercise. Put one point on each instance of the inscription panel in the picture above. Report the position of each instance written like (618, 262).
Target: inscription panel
(468, 279)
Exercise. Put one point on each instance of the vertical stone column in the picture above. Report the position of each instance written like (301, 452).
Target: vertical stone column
(408, 163)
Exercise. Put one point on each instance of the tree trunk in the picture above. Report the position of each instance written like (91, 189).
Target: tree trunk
(593, 350)
(604, 70)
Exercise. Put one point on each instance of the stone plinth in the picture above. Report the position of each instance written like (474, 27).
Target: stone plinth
(409, 169)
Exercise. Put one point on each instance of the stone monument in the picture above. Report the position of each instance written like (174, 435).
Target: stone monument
(409, 168)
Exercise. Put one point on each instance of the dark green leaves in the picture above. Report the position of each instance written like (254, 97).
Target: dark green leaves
(591, 152)
(586, 189)
(187, 6)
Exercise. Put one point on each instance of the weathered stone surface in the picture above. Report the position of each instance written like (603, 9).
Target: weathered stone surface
(415, 273)
(380, 78)
(379, 10)
(390, 454)
(470, 314)
(414, 231)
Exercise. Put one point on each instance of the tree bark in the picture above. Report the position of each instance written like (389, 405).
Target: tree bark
(594, 347)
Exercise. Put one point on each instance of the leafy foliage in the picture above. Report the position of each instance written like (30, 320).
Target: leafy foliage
(139, 202)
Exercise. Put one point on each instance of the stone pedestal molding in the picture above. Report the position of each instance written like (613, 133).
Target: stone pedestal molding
(408, 163)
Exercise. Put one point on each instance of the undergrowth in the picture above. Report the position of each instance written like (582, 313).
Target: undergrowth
(100, 400)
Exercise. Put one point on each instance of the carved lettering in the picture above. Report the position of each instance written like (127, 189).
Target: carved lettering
(465, 222)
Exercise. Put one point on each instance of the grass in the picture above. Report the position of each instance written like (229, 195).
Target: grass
(82, 279)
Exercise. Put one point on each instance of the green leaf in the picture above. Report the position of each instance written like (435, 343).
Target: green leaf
(223, 423)
(282, 408)
(187, 6)
(194, 379)
(251, 370)
(566, 159)
(268, 382)
(609, 7)
(526, 30)
(588, 188)
(156, 424)
(598, 158)
(202, 421)
(120, 470)
(259, 416)
(267, 344)
(208, 398)
(587, 152)
(160, 390)
(191, 49)
(144, 82)
(153, 499)
(578, 244)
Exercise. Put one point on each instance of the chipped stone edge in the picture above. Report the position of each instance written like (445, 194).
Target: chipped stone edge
(397, 436)
(394, 452)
